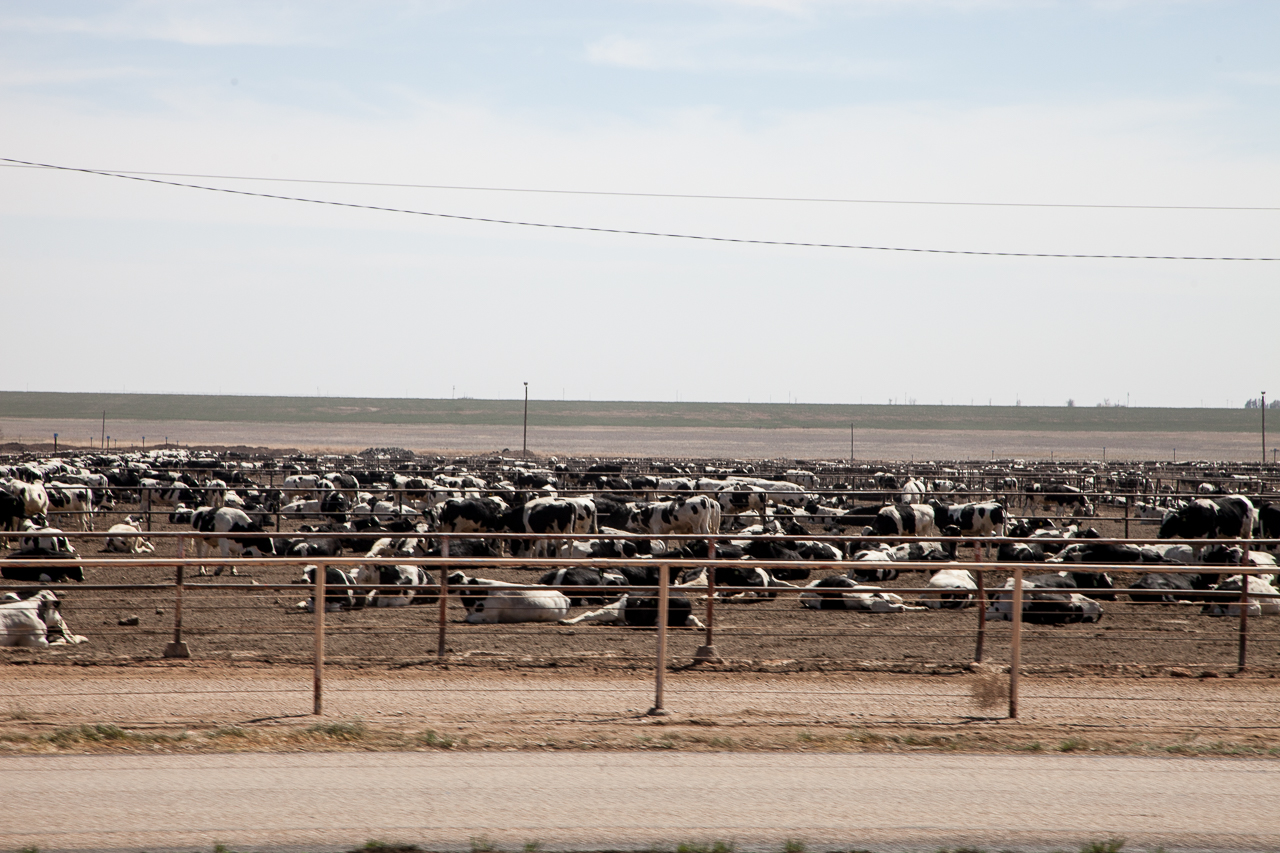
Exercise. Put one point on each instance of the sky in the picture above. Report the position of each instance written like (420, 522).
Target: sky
(1101, 110)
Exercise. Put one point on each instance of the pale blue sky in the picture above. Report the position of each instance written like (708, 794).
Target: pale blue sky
(122, 285)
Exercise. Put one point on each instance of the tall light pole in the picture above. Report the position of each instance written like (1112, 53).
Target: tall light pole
(1264, 427)
(525, 449)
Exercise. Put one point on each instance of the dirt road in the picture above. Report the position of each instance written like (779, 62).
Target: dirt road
(635, 801)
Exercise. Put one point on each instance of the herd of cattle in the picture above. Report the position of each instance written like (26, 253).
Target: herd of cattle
(751, 529)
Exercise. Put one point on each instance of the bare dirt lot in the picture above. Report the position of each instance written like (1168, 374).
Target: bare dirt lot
(899, 680)
(688, 442)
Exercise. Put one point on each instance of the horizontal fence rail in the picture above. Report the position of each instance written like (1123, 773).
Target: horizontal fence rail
(187, 592)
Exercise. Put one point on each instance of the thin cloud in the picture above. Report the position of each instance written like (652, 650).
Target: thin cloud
(190, 23)
(654, 55)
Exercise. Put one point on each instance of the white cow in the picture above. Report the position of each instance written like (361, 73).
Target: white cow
(491, 602)
(30, 623)
(950, 588)
(126, 538)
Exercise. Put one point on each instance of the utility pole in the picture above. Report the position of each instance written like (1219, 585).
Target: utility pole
(525, 449)
(851, 445)
(102, 444)
(1264, 427)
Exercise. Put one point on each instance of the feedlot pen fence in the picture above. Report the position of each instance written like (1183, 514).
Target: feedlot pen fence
(739, 632)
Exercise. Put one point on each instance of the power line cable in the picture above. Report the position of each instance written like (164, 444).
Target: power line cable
(706, 196)
(630, 232)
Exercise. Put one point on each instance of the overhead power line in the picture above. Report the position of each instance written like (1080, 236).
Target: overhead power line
(707, 196)
(625, 231)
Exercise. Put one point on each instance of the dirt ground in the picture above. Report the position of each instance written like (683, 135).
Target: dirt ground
(769, 635)
(790, 677)
(687, 442)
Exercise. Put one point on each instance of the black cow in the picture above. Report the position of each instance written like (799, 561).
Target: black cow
(1170, 587)
(1269, 520)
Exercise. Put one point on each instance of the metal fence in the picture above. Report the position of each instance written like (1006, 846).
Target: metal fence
(190, 595)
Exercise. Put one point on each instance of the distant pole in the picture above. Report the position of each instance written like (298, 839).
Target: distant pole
(102, 444)
(850, 444)
(1264, 427)
(55, 448)
(525, 448)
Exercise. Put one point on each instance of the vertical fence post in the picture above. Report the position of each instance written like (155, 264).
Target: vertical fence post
(444, 595)
(707, 651)
(982, 618)
(317, 706)
(1015, 645)
(660, 669)
(178, 649)
(1127, 502)
(1243, 654)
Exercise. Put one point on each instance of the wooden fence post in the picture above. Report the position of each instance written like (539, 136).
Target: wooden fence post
(707, 651)
(444, 595)
(178, 649)
(982, 619)
(1015, 646)
(660, 669)
(317, 707)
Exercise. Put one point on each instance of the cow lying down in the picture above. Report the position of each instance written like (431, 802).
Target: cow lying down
(1259, 602)
(126, 538)
(950, 589)
(1045, 605)
(841, 593)
(491, 602)
(34, 623)
(641, 611)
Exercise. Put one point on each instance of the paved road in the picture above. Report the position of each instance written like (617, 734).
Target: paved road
(633, 800)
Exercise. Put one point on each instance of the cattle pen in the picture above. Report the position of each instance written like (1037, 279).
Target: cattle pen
(1242, 641)
(876, 639)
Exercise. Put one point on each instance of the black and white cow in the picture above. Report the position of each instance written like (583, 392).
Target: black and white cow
(1229, 517)
(232, 532)
(470, 515)
(13, 511)
(840, 593)
(339, 589)
(575, 576)
(1051, 604)
(76, 501)
(414, 586)
(641, 611)
(544, 516)
(907, 520)
(738, 498)
(985, 518)
(1060, 497)
(61, 565)
(1260, 598)
(697, 515)
(35, 500)
(489, 602)
(1171, 587)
